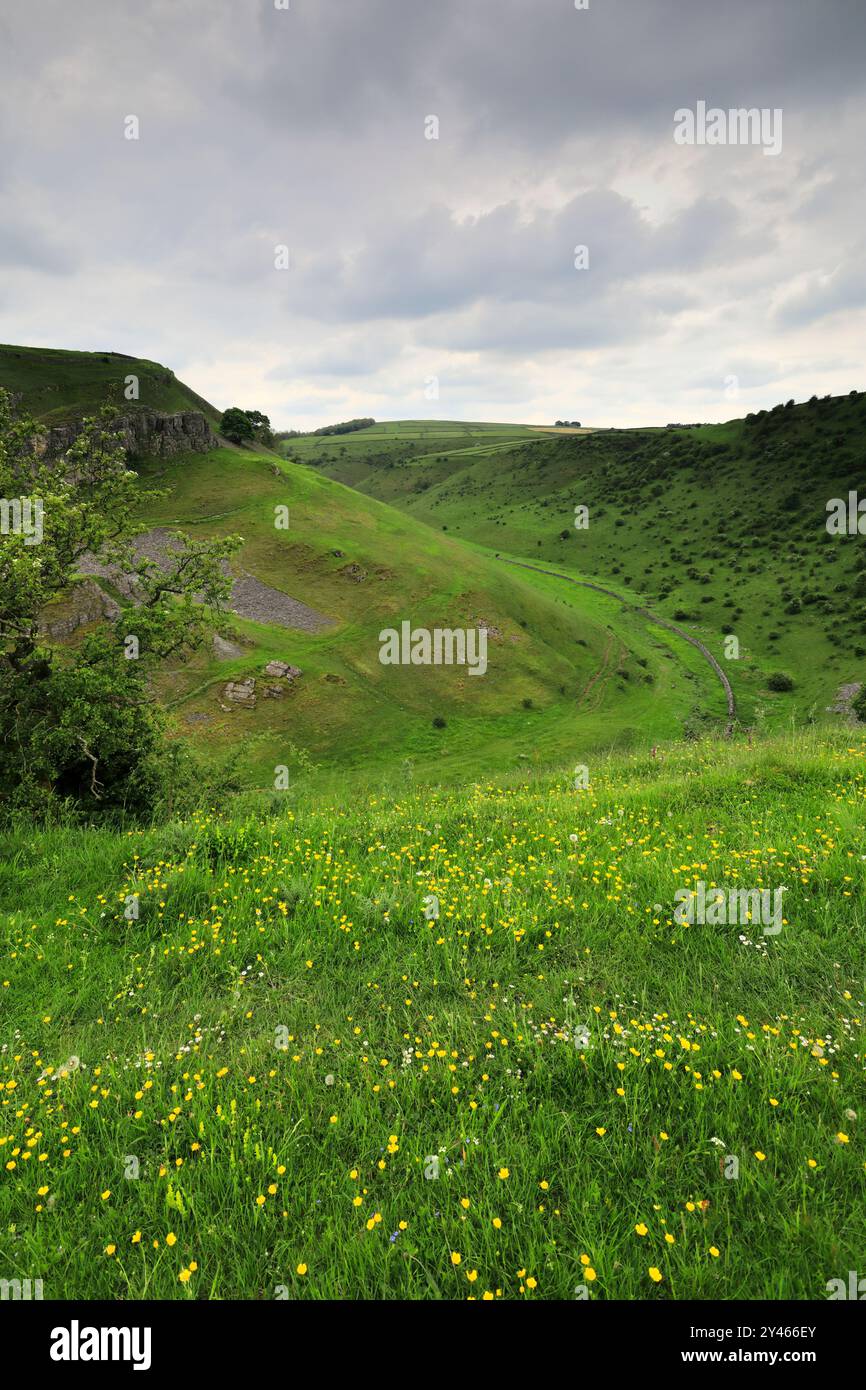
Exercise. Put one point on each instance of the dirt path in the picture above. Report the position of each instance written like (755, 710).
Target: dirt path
(650, 617)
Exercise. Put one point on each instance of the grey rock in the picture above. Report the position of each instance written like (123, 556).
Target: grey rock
(241, 693)
(224, 650)
(250, 598)
(144, 432)
(89, 604)
(283, 669)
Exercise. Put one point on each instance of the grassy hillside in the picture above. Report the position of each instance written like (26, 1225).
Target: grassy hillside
(568, 672)
(723, 525)
(720, 529)
(58, 386)
(282, 1074)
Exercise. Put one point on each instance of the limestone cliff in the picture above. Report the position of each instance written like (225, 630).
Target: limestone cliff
(146, 432)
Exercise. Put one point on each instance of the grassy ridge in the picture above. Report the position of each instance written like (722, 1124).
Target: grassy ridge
(272, 1052)
(544, 650)
(58, 386)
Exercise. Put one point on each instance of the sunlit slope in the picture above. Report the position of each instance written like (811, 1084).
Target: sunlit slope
(565, 672)
(721, 527)
(568, 673)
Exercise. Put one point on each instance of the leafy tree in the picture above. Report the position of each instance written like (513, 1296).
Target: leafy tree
(258, 420)
(236, 425)
(79, 723)
(347, 426)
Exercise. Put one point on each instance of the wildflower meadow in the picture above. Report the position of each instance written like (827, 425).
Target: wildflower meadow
(445, 1046)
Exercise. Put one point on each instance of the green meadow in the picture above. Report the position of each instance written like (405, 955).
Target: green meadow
(445, 1044)
(424, 1023)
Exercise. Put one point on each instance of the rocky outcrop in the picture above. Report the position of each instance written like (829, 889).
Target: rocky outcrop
(241, 692)
(86, 603)
(145, 433)
(245, 694)
(283, 669)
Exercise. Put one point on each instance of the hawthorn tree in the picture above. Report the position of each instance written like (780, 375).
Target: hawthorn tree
(79, 723)
(236, 425)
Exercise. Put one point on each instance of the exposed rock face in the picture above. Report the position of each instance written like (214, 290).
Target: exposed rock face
(88, 603)
(145, 432)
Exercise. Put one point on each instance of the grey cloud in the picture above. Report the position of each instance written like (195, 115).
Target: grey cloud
(305, 127)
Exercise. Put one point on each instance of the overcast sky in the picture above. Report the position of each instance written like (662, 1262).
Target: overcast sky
(720, 279)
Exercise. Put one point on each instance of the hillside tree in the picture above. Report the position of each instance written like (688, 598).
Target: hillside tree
(79, 722)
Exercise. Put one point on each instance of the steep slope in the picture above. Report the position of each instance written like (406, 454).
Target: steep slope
(719, 527)
(567, 673)
(364, 567)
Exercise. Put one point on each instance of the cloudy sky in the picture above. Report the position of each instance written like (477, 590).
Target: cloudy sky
(719, 279)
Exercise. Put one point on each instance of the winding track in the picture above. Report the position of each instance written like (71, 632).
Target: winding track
(652, 618)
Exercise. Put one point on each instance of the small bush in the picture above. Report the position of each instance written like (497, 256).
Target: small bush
(779, 680)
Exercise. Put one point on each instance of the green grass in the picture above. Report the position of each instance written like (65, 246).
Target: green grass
(552, 642)
(298, 923)
(565, 669)
(725, 523)
(58, 386)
